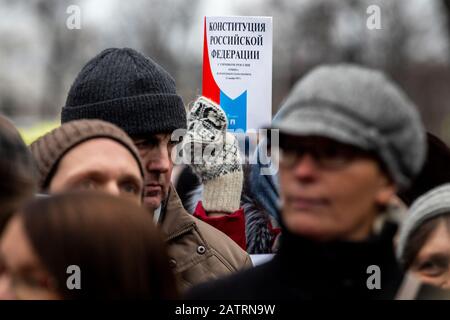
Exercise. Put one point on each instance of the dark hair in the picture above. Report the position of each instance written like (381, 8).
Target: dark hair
(114, 242)
(435, 172)
(17, 172)
(420, 236)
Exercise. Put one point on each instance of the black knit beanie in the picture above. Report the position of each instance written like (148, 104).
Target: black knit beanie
(123, 87)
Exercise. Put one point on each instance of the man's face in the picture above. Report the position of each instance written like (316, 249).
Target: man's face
(155, 151)
(100, 164)
(330, 191)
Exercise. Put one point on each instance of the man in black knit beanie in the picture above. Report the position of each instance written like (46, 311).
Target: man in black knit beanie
(132, 91)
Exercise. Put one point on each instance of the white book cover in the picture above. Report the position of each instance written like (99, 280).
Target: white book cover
(237, 69)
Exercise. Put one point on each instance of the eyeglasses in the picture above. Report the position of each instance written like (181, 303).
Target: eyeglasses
(327, 154)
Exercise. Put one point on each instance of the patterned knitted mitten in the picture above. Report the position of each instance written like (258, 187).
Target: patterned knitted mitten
(215, 156)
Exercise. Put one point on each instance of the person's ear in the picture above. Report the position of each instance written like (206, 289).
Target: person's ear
(386, 191)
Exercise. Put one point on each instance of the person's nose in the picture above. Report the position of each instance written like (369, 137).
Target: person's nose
(159, 160)
(112, 188)
(306, 168)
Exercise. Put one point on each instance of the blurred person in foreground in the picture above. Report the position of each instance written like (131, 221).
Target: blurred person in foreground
(113, 242)
(349, 139)
(124, 87)
(17, 172)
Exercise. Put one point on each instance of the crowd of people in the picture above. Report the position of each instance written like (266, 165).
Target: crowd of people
(356, 205)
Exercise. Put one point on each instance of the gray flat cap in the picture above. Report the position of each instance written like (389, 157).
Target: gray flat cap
(360, 107)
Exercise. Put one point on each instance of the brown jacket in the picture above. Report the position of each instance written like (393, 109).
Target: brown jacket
(198, 252)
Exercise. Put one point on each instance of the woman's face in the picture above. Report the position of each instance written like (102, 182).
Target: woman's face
(329, 190)
(22, 276)
(432, 263)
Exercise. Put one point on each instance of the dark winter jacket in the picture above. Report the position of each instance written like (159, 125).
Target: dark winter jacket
(304, 269)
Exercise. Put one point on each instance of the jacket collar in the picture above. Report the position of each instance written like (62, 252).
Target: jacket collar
(176, 220)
